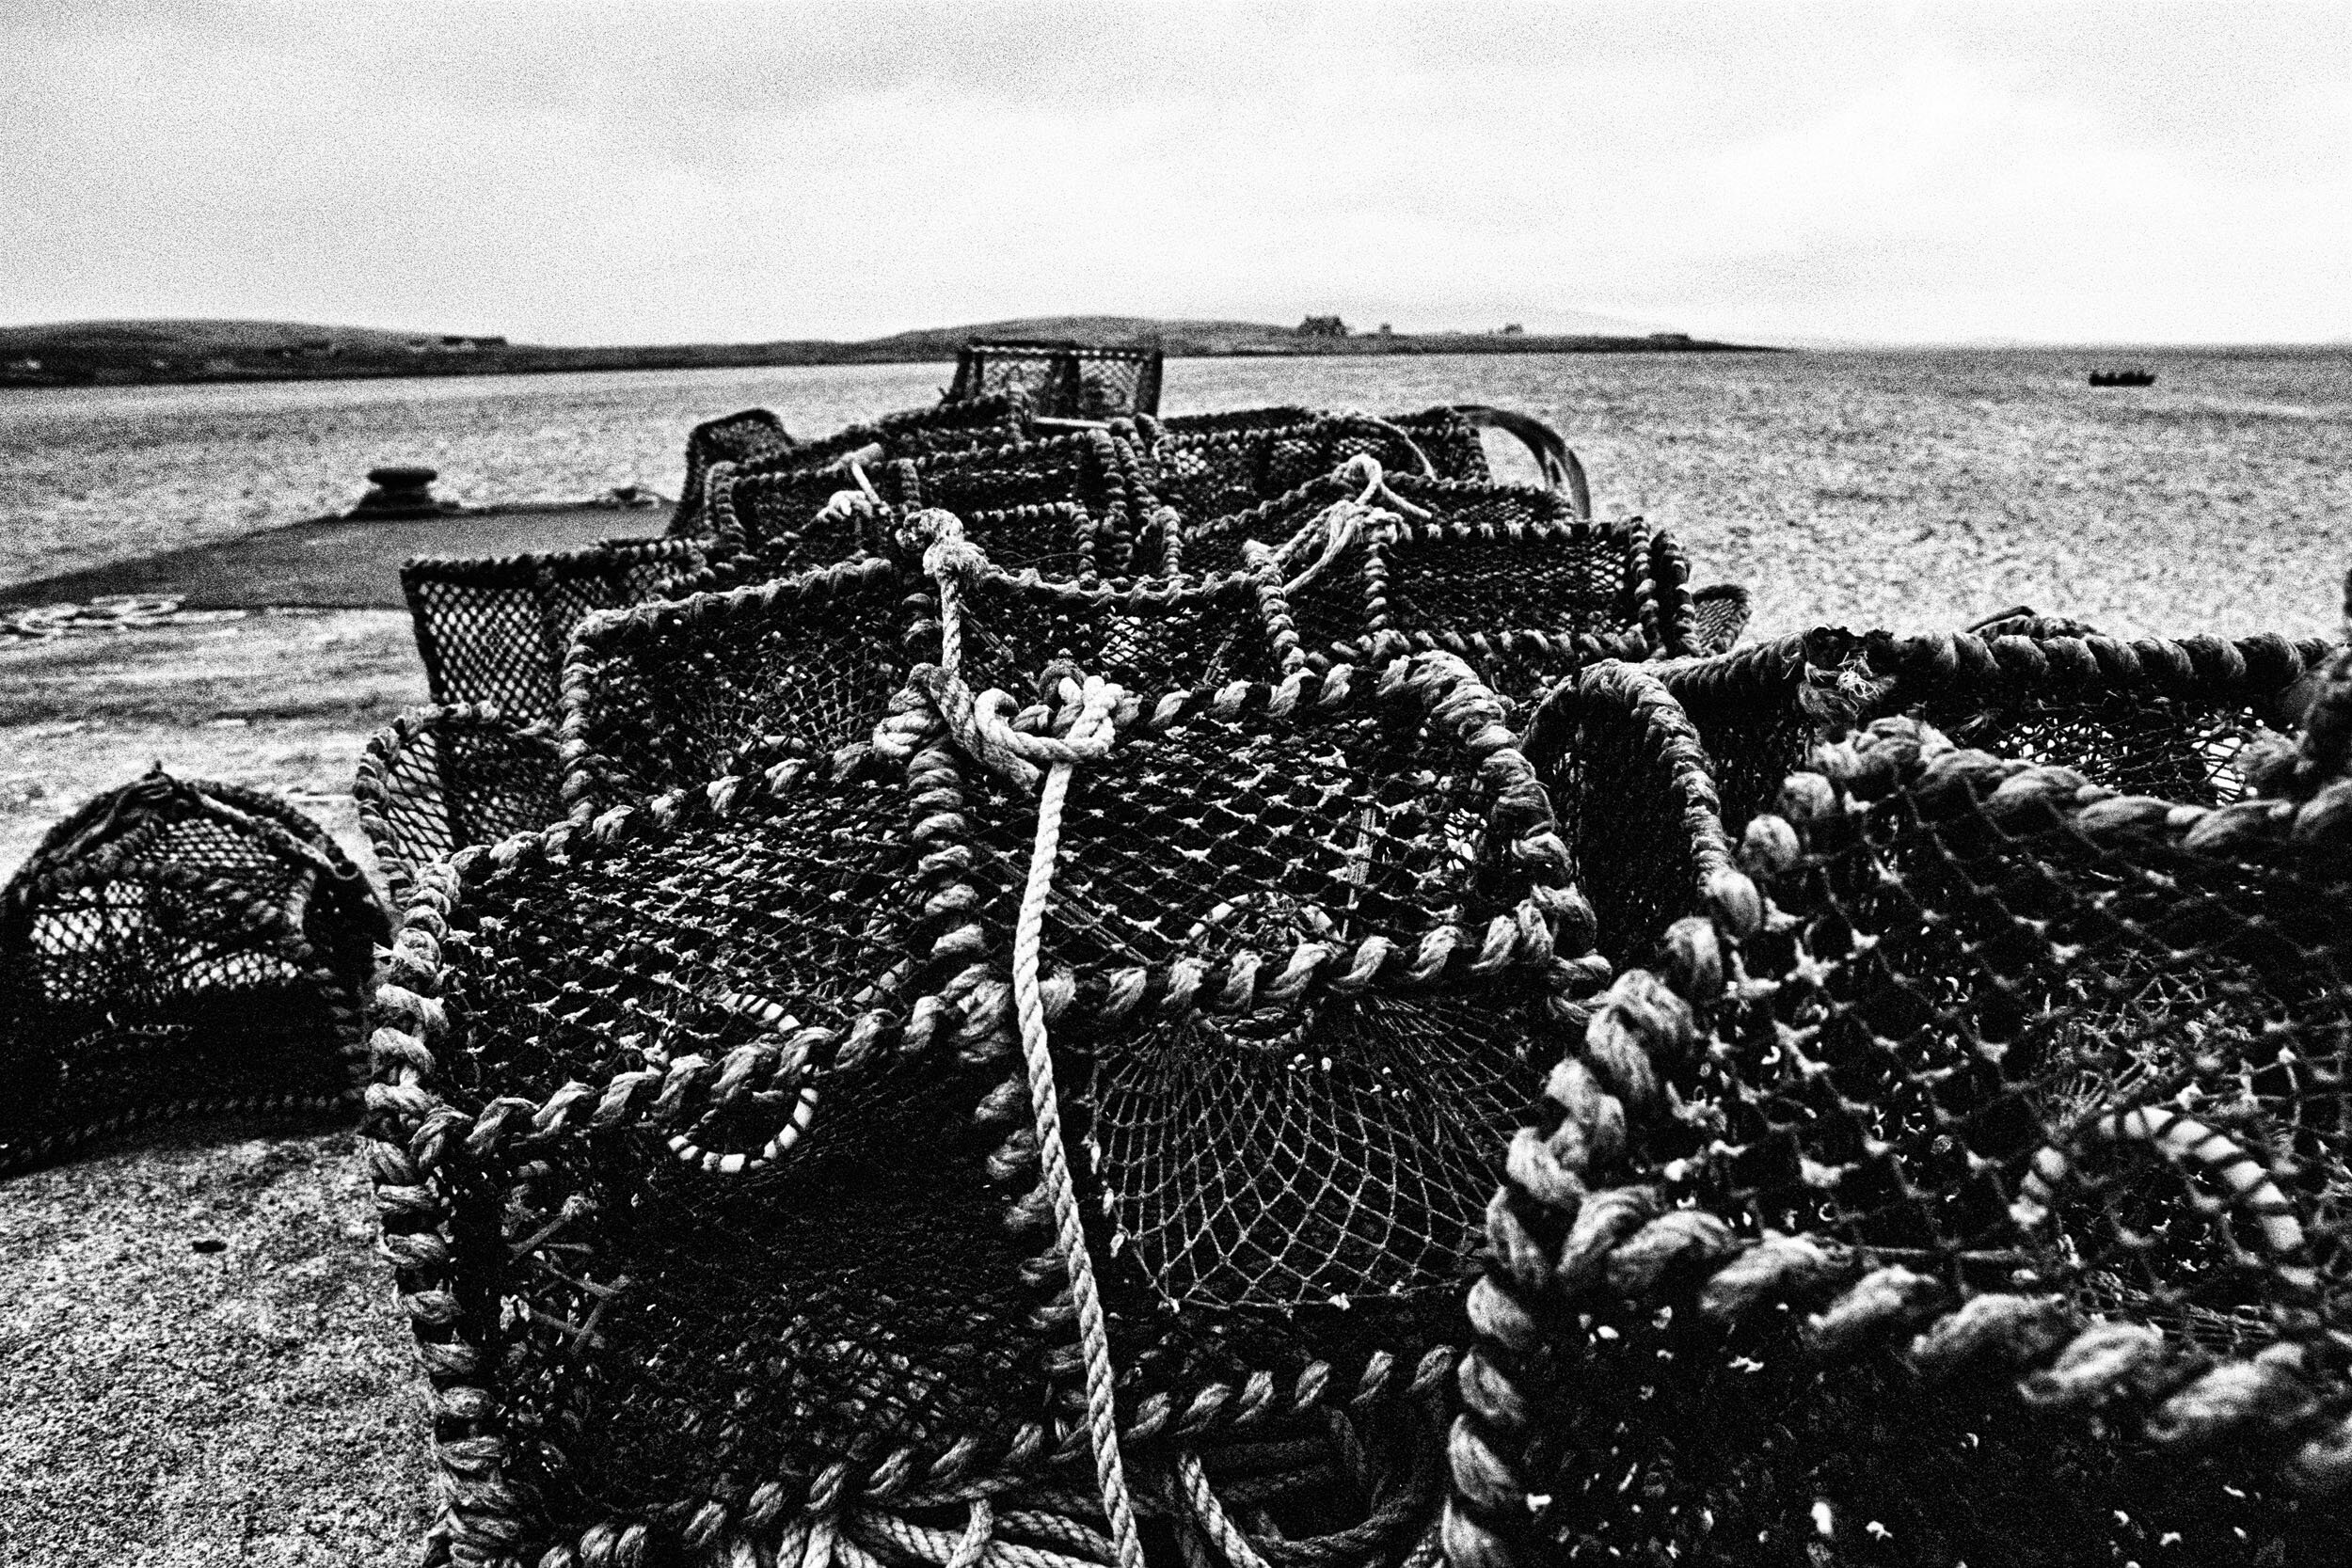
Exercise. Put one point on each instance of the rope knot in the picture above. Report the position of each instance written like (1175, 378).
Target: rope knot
(984, 725)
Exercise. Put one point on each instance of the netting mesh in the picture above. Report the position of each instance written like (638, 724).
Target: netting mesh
(2041, 1081)
(178, 947)
(1720, 613)
(733, 683)
(743, 1124)
(438, 779)
(1070, 505)
(681, 1309)
(495, 630)
(1141, 634)
(1501, 577)
(1062, 380)
(739, 438)
(1211, 465)
(1636, 799)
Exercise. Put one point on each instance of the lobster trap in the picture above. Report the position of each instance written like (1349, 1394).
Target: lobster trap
(494, 630)
(2014, 1099)
(1062, 380)
(178, 947)
(727, 1144)
(1505, 577)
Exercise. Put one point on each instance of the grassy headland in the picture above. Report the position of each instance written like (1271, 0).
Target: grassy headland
(128, 353)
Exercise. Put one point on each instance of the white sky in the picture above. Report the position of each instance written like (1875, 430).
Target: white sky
(593, 173)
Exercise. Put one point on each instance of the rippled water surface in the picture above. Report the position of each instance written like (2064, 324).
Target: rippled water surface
(1907, 489)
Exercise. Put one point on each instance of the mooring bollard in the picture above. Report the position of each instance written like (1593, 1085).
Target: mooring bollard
(399, 491)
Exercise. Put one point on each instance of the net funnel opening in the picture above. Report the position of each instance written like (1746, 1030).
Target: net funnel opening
(178, 947)
(739, 438)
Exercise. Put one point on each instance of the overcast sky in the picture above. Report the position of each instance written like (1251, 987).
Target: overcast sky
(594, 173)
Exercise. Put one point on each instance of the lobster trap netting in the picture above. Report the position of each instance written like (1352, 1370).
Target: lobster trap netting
(1262, 1146)
(1211, 465)
(438, 779)
(174, 947)
(2149, 715)
(1719, 614)
(1019, 629)
(943, 427)
(1062, 380)
(712, 1121)
(494, 630)
(1070, 505)
(2041, 1084)
(739, 437)
(1501, 577)
(680, 692)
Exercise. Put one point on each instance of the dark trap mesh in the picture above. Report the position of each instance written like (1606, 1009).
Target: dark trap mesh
(2148, 716)
(1070, 505)
(1450, 440)
(723, 1219)
(1501, 577)
(739, 437)
(1297, 1148)
(1720, 614)
(495, 630)
(438, 779)
(174, 947)
(1211, 465)
(700, 1127)
(1062, 380)
(1634, 791)
(2041, 1084)
(1143, 633)
(673, 694)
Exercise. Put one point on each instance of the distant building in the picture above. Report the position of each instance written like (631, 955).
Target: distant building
(1387, 331)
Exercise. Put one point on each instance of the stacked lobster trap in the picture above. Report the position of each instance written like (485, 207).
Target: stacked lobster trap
(1083, 989)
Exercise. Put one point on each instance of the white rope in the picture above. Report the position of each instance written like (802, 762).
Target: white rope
(984, 726)
(1091, 730)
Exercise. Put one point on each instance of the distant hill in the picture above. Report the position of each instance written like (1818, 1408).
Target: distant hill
(130, 351)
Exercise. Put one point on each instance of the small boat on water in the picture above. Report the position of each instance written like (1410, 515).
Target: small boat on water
(2123, 378)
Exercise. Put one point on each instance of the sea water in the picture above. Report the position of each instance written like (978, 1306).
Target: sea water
(1908, 489)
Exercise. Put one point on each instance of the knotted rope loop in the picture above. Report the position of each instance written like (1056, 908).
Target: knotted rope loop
(1343, 523)
(848, 507)
(983, 725)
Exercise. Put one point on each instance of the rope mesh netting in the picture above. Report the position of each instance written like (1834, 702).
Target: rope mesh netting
(495, 630)
(1502, 576)
(1062, 380)
(2015, 1083)
(1212, 465)
(438, 779)
(1071, 504)
(178, 947)
(716, 1125)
